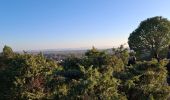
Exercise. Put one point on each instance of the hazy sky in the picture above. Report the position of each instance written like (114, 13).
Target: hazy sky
(56, 24)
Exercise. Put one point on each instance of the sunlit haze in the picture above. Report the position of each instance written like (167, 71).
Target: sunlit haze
(73, 24)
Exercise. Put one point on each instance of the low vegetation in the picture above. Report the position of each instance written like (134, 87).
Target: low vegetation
(26, 76)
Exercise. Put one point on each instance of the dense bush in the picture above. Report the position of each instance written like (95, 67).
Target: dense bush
(33, 77)
(25, 76)
(147, 80)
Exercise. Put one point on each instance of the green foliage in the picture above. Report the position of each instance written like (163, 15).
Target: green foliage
(116, 63)
(147, 80)
(33, 77)
(101, 86)
(93, 85)
(122, 53)
(25, 77)
(99, 59)
(95, 57)
(7, 51)
(71, 63)
(151, 37)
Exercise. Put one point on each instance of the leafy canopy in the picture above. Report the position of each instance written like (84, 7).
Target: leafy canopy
(7, 51)
(152, 36)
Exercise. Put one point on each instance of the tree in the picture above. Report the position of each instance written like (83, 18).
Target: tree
(25, 77)
(122, 53)
(7, 51)
(96, 86)
(96, 58)
(146, 81)
(152, 36)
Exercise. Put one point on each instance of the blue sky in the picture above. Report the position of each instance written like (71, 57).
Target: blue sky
(56, 24)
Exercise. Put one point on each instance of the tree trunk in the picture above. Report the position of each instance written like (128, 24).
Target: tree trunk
(156, 56)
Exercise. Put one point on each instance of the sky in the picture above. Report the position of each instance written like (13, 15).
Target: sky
(73, 24)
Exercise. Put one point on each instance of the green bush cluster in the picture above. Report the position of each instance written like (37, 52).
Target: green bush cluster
(97, 76)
